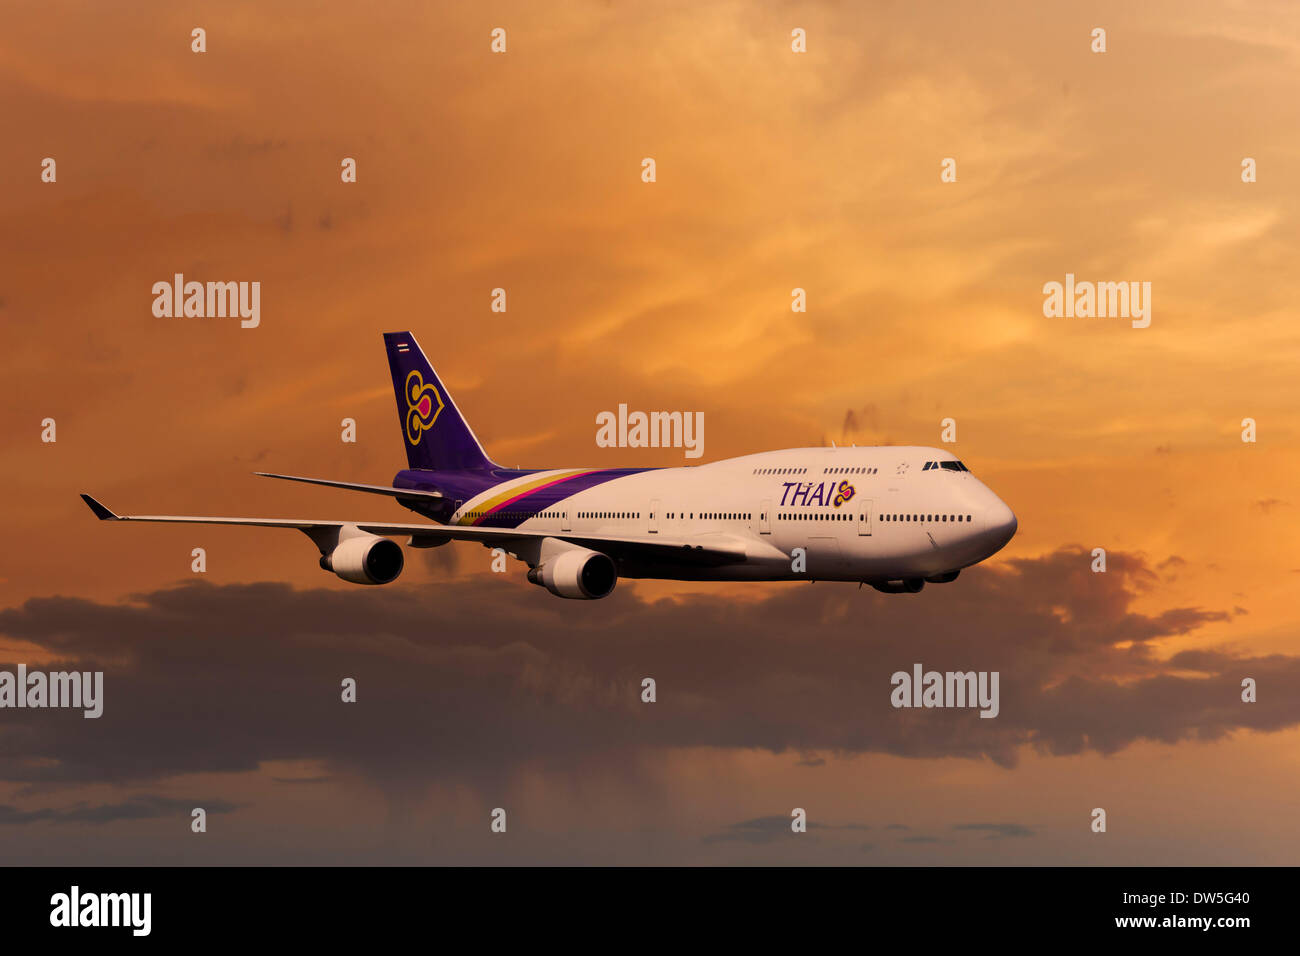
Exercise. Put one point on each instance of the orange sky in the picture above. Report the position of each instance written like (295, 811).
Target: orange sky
(775, 171)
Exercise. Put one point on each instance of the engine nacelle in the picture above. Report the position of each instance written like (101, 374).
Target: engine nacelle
(365, 559)
(576, 573)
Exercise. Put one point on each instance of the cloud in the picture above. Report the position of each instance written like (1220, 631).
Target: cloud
(139, 807)
(997, 831)
(474, 682)
(766, 829)
(859, 423)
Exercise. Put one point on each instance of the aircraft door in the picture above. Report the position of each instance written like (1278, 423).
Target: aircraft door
(653, 516)
(765, 517)
(864, 516)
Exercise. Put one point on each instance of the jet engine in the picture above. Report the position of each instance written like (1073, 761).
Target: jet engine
(365, 559)
(576, 573)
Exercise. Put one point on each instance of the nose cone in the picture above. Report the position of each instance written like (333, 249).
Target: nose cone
(999, 525)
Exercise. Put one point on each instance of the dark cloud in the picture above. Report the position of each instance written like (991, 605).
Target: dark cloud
(997, 831)
(859, 423)
(474, 681)
(443, 559)
(767, 829)
(140, 807)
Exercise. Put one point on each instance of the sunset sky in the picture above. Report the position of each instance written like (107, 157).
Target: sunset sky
(775, 170)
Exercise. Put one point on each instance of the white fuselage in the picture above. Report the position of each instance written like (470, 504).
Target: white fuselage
(858, 514)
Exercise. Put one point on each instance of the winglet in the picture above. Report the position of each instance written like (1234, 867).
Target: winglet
(102, 513)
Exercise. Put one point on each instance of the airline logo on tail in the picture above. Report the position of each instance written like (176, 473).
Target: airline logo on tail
(423, 406)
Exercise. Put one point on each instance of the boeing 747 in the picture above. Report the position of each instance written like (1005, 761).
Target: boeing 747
(889, 516)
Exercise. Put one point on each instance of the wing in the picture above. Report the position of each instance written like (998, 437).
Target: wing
(720, 550)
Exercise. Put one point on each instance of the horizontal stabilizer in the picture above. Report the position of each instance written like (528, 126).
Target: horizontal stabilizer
(353, 486)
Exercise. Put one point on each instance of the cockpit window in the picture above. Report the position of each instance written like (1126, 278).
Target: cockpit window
(946, 465)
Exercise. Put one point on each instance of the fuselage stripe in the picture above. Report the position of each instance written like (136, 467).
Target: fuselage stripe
(511, 508)
(529, 490)
(485, 511)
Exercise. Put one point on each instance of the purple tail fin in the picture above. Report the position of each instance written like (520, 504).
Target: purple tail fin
(435, 433)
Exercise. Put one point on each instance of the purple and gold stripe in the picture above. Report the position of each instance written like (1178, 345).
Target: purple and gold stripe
(519, 503)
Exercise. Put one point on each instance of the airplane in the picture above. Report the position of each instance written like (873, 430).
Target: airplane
(890, 516)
